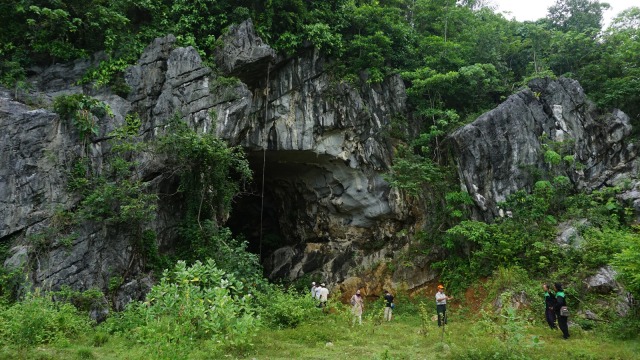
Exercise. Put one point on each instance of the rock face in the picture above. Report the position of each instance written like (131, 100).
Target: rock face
(322, 148)
(321, 143)
(503, 150)
(318, 147)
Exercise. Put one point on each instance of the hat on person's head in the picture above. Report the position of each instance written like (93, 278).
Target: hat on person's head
(440, 287)
(322, 284)
(358, 292)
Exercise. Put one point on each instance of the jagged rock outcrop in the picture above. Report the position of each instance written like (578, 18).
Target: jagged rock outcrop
(604, 282)
(500, 152)
(322, 144)
(243, 54)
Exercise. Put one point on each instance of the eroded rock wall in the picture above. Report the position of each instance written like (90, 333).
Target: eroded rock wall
(323, 142)
(326, 149)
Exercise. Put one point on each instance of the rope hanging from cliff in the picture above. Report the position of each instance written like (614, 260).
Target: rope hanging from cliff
(264, 157)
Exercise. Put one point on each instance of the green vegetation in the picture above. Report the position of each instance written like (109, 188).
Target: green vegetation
(80, 110)
(458, 59)
(198, 313)
(37, 320)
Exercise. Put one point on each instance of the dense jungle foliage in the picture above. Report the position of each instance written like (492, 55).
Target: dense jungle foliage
(458, 59)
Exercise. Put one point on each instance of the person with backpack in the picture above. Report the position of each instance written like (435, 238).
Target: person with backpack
(562, 314)
(357, 307)
(388, 308)
(549, 303)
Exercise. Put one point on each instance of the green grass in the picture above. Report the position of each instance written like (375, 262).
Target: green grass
(467, 336)
(403, 338)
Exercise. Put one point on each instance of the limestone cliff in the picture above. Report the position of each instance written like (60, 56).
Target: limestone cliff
(322, 144)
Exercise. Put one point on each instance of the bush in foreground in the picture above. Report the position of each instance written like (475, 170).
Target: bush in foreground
(38, 320)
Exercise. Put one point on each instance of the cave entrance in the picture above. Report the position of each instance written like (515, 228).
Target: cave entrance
(286, 194)
(244, 220)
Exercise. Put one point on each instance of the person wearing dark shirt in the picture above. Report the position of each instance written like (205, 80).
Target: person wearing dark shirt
(549, 303)
(388, 308)
(560, 302)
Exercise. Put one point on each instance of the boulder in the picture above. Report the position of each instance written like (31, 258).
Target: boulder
(603, 282)
(569, 233)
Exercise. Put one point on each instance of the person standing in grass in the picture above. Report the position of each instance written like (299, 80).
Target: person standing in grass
(560, 302)
(323, 295)
(441, 305)
(314, 290)
(549, 303)
(388, 306)
(357, 303)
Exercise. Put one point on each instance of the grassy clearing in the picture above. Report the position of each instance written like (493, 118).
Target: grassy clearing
(333, 336)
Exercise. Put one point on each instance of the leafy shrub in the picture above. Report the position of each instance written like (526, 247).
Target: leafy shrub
(211, 242)
(627, 262)
(505, 333)
(38, 320)
(512, 278)
(585, 324)
(82, 300)
(122, 202)
(189, 305)
(99, 338)
(10, 281)
(84, 353)
(211, 172)
(281, 308)
(82, 111)
(627, 328)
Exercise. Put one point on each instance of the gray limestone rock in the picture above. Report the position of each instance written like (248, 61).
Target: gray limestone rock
(18, 259)
(569, 233)
(603, 282)
(500, 152)
(319, 144)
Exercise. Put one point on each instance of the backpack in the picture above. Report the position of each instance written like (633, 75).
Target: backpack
(564, 311)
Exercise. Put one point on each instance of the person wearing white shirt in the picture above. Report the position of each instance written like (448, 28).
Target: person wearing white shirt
(441, 305)
(323, 295)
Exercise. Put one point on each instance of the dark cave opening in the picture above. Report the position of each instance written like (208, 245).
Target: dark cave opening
(297, 185)
(256, 209)
(245, 222)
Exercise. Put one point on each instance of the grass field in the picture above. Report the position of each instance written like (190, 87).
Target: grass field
(406, 338)
(409, 336)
